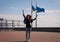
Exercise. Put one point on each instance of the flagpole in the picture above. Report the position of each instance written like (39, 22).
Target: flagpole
(36, 21)
(36, 17)
(31, 7)
(31, 11)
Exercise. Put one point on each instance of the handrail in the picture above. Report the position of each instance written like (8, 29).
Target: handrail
(12, 23)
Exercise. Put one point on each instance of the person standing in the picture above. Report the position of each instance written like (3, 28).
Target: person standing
(27, 21)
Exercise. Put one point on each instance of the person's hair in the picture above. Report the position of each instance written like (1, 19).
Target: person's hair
(29, 16)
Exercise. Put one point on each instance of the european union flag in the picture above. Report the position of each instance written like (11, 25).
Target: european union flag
(40, 9)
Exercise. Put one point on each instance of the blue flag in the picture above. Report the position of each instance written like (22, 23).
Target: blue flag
(40, 9)
(37, 9)
(33, 8)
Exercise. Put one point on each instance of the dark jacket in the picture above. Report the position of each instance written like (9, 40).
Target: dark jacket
(28, 22)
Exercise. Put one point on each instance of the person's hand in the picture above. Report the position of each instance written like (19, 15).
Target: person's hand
(36, 16)
(23, 12)
(23, 15)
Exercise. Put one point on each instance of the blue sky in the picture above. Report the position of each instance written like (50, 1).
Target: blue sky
(16, 6)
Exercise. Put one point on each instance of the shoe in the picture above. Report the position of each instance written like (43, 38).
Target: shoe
(29, 40)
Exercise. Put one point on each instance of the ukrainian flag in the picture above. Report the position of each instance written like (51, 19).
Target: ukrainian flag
(37, 9)
(33, 9)
(40, 9)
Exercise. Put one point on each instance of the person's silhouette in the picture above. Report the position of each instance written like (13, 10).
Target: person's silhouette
(28, 20)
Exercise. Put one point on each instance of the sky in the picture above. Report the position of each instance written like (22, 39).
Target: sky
(12, 9)
(16, 6)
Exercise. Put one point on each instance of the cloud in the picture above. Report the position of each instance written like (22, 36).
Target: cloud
(9, 16)
(50, 19)
(52, 11)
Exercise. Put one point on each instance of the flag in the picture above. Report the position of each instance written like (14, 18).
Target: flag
(33, 9)
(40, 9)
(37, 9)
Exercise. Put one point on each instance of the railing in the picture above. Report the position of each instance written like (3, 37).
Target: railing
(11, 23)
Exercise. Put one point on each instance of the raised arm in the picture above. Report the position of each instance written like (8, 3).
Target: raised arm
(23, 13)
(35, 17)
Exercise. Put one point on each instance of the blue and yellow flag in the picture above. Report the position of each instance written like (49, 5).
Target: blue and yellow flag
(33, 9)
(37, 9)
(40, 9)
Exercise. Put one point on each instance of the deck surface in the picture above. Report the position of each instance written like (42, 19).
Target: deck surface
(19, 36)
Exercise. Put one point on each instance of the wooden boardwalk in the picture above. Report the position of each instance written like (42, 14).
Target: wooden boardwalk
(19, 36)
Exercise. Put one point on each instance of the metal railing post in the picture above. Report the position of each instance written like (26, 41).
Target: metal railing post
(13, 24)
